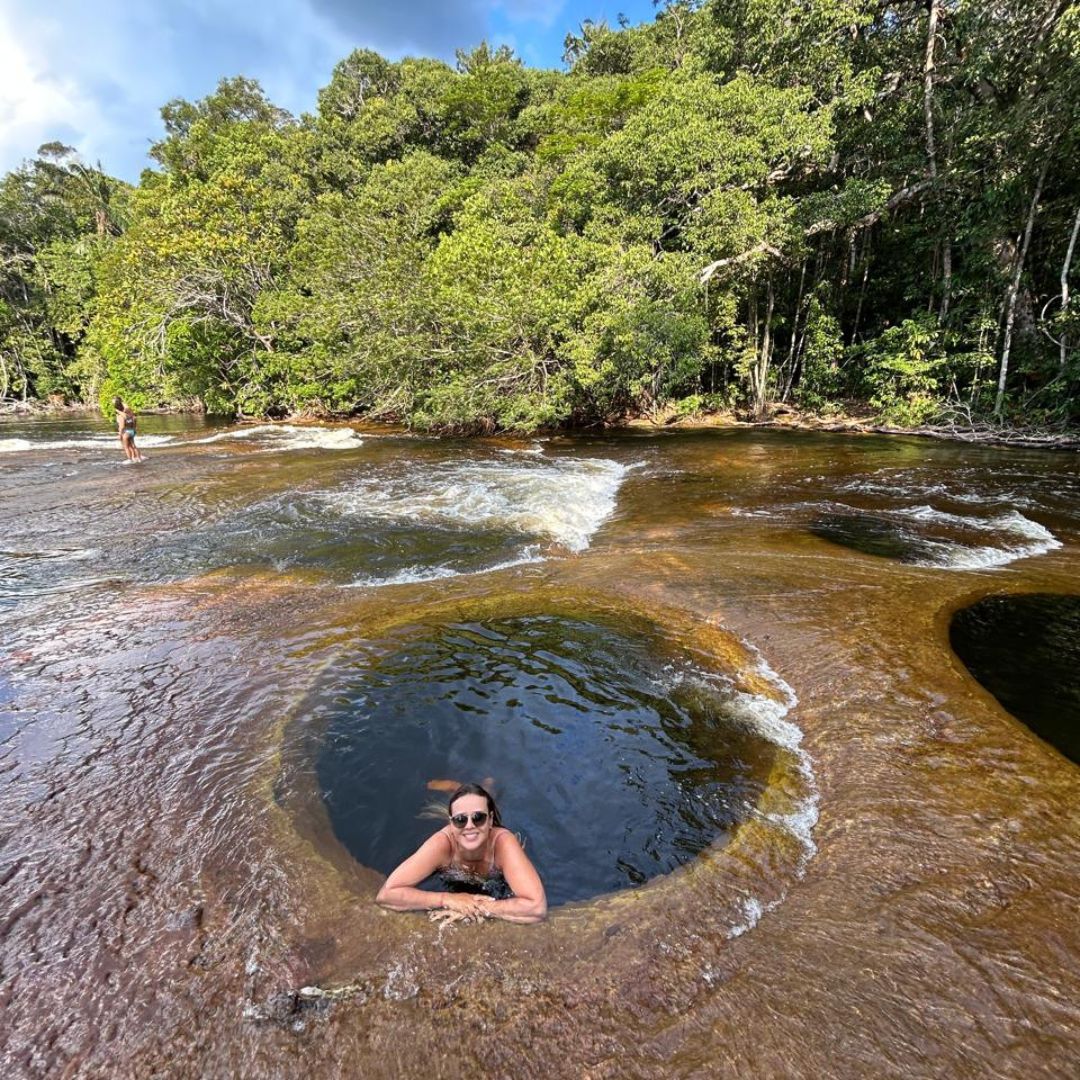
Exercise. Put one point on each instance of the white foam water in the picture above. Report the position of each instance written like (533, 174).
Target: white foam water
(896, 485)
(291, 437)
(1019, 536)
(565, 500)
(751, 910)
(413, 575)
(318, 439)
(255, 432)
(907, 485)
(801, 820)
(1035, 539)
(536, 450)
(767, 717)
(89, 442)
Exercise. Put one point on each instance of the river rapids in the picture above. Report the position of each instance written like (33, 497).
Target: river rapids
(786, 830)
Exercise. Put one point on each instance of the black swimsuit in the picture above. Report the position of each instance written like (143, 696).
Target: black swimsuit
(458, 879)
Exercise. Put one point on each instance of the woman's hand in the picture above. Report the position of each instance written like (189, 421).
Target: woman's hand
(463, 908)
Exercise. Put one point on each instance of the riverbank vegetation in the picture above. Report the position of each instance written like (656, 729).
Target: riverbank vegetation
(736, 206)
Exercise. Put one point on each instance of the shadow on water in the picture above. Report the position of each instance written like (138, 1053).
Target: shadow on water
(599, 751)
(1026, 651)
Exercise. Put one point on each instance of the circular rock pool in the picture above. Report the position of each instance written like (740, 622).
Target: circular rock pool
(613, 763)
(1026, 651)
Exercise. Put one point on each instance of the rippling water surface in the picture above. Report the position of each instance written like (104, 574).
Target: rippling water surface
(616, 767)
(822, 848)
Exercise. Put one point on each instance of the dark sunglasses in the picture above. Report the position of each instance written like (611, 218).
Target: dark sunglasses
(461, 820)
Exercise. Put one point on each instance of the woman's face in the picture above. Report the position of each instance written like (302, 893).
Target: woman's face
(471, 837)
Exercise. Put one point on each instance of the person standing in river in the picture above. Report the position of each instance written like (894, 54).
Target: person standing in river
(483, 867)
(125, 425)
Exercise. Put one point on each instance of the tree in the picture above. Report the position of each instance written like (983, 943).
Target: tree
(178, 313)
(740, 202)
(58, 218)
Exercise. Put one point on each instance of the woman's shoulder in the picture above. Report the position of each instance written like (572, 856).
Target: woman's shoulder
(499, 841)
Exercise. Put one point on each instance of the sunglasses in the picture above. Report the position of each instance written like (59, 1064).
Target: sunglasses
(461, 820)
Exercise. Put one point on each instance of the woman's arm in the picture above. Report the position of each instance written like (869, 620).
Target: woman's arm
(529, 903)
(399, 892)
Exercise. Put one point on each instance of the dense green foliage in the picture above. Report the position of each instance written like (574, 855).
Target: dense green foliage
(740, 204)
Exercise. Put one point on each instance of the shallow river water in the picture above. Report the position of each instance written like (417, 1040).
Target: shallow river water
(709, 676)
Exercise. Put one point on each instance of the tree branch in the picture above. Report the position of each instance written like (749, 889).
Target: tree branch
(707, 272)
(898, 198)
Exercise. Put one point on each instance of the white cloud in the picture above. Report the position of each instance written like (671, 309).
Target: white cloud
(36, 106)
(96, 75)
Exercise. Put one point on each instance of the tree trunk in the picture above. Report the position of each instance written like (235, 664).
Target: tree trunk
(762, 366)
(859, 306)
(933, 280)
(800, 348)
(790, 373)
(1065, 284)
(978, 367)
(931, 153)
(946, 279)
(752, 318)
(928, 85)
(1014, 285)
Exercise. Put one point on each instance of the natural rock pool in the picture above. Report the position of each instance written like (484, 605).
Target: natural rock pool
(611, 763)
(1026, 651)
(787, 831)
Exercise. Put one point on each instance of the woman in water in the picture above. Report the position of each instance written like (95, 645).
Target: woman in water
(485, 871)
(125, 425)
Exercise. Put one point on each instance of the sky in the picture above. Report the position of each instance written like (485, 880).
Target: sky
(94, 73)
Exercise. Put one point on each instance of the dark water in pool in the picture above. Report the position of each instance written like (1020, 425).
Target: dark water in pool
(611, 767)
(1026, 651)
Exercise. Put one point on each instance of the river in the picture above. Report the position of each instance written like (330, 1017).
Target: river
(785, 831)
